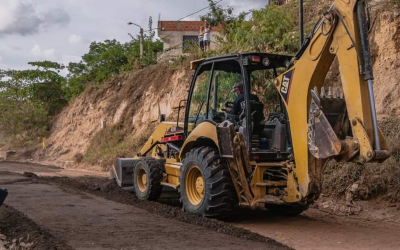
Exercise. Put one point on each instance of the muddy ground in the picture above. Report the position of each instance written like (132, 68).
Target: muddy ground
(90, 212)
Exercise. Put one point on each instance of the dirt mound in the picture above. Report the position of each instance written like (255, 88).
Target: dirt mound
(166, 206)
(364, 182)
(15, 225)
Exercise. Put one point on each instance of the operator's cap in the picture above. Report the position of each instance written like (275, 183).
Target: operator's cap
(237, 86)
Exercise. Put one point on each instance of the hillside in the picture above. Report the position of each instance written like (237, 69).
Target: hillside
(114, 119)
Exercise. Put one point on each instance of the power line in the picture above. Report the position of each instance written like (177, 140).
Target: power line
(198, 11)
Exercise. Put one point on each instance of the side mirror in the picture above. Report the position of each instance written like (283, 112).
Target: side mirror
(162, 118)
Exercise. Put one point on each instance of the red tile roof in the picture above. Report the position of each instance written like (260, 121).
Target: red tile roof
(184, 26)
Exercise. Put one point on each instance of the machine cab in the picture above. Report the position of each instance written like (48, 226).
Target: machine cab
(257, 111)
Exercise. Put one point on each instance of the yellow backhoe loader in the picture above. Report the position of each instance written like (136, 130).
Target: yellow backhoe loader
(272, 154)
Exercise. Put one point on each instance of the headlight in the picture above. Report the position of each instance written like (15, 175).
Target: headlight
(266, 62)
(287, 63)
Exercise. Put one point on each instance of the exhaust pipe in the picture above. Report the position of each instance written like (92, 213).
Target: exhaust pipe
(301, 22)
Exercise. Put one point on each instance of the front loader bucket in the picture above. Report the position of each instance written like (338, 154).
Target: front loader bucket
(123, 171)
(3, 195)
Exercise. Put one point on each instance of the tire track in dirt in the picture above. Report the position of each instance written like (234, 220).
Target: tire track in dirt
(73, 210)
(167, 206)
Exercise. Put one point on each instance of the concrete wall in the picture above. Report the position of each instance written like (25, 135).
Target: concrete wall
(175, 38)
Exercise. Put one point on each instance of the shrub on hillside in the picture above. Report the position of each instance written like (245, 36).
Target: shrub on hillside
(115, 141)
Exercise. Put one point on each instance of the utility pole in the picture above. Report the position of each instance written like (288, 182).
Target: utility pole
(301, 22)
(141, 42)
(141, 38)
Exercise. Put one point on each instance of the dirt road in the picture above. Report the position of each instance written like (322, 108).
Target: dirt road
(319, 230)
(89, 213)
(86, 221)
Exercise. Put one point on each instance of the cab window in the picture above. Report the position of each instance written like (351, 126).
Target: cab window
(198, 101)
(262, 84)
(225, 75)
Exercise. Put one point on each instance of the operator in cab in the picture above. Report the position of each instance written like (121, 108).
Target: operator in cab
(240, 103)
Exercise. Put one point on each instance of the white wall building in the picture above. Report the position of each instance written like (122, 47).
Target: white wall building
(177, 35)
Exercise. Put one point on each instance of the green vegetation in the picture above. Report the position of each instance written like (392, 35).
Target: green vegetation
(111, 58)
(113, 142)
(29, 98)
(270, 29)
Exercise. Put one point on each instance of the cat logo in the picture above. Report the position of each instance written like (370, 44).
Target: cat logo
(286, 83)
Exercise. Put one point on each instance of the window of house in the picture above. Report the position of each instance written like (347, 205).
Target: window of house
(189, 41)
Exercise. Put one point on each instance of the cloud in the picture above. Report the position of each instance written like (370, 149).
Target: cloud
(20, 17)
(46, 54)
(75, 39)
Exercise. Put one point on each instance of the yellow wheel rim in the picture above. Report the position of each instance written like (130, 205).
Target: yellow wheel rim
(141, 180)
(194, 185)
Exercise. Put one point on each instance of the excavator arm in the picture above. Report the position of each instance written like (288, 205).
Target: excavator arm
(352, 135)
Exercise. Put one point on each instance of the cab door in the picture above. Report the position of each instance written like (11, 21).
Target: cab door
(196, 107)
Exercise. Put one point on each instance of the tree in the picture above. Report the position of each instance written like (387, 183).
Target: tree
(41, 86)
(218, 15)
(108, 59)
(29, 98)
(105, 59)
(77, 79)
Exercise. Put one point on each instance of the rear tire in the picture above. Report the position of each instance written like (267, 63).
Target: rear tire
(290, 210)
(206, 187)
(147, 177)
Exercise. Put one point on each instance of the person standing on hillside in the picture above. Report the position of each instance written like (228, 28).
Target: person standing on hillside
(201, 38)
(207, 39)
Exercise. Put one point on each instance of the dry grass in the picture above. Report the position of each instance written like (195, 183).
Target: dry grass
(375, 179)
(115, 141)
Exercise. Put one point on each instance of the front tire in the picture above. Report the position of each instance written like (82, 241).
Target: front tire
(147, 177)
(206, 187)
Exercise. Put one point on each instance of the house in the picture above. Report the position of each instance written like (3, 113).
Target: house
(179, 35)
(278, 2)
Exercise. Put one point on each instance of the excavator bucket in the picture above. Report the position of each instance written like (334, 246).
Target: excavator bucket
(327, 121)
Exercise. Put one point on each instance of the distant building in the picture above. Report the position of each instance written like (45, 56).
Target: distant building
(178, 35)
(278, 2)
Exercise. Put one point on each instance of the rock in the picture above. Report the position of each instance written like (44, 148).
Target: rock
(95, 187)
(29, 174)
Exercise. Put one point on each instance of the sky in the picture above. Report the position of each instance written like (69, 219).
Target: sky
(62, 30)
